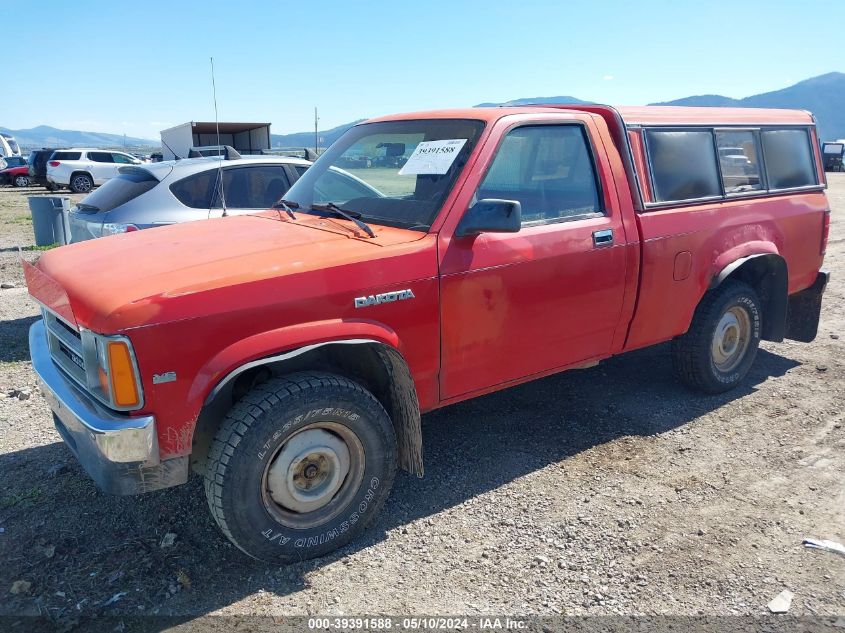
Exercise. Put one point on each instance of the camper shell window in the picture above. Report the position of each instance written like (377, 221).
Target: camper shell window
(683, 164)
(688, 165)
(789, 159)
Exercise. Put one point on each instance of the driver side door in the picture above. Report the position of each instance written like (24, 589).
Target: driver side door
(514, 305)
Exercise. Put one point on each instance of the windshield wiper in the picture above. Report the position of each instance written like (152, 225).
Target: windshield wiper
(87, 207)
(287, 205)
(352, 216)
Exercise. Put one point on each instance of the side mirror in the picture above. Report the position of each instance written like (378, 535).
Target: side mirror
(491, 216)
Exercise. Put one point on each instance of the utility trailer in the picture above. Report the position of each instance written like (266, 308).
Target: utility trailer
(246, 138)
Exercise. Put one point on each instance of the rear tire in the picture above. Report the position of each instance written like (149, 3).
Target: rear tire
(81, 183)
(720, 346)
(21, 181)
(300, 466)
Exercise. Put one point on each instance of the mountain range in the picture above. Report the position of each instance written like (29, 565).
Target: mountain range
(306, 139)
(46, 136)
(824, 96)
(529, 100)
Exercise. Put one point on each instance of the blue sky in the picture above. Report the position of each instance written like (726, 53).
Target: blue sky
(138, 67)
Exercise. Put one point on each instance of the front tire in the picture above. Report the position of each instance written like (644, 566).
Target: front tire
(719, 348)
(300, 466)
(21, 181)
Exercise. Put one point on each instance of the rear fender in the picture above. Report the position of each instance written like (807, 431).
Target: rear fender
(731, 259)
(767, 272)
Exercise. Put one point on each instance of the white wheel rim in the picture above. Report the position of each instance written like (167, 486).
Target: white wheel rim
(731, 339)
(308, 471)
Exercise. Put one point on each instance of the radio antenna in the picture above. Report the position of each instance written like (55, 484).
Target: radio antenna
(175, 155)
(219, 147)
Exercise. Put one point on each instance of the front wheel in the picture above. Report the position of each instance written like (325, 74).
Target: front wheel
(21, 181)
(720, 346)
(300, 466)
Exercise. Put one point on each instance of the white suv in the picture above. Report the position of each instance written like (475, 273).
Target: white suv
(81, 169)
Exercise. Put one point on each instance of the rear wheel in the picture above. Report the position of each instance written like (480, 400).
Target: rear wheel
(81, 183)
(720, 346)
(300, 466)
(21, 181)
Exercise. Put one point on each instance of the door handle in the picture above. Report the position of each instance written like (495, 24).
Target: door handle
(603, 238)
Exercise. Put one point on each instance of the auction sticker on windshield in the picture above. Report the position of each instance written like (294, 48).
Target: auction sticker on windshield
(433, 157)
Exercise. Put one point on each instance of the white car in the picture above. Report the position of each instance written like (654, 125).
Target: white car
(82, 169)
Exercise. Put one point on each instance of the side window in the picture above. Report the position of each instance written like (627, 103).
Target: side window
(789, 161)
(66, 156)
(683, 164)
(122, 158)
(196, 191)
(548, 169)
(253, 187)
(101, 157)
(739, 159)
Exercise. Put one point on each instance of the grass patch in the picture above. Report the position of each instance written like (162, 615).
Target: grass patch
(20, 219)
(40, 248)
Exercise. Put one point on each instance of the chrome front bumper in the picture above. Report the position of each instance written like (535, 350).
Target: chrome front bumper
(119, 452)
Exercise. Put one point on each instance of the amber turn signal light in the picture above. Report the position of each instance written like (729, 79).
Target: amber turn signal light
(124, 387)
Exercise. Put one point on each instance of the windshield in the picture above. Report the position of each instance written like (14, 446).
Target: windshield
(396, 173)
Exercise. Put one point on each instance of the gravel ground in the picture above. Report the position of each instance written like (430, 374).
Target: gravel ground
(610, 490)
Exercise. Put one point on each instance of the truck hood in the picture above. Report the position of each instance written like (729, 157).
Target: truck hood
(123, 281)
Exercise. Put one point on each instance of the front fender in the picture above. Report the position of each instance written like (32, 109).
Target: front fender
(279, 341)
(395, 390)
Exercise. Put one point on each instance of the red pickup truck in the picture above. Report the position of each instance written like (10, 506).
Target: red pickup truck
(287, 355)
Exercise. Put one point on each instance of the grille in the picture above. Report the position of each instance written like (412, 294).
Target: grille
(65, 347)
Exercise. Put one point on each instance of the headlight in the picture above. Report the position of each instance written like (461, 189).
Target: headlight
(112, 371)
